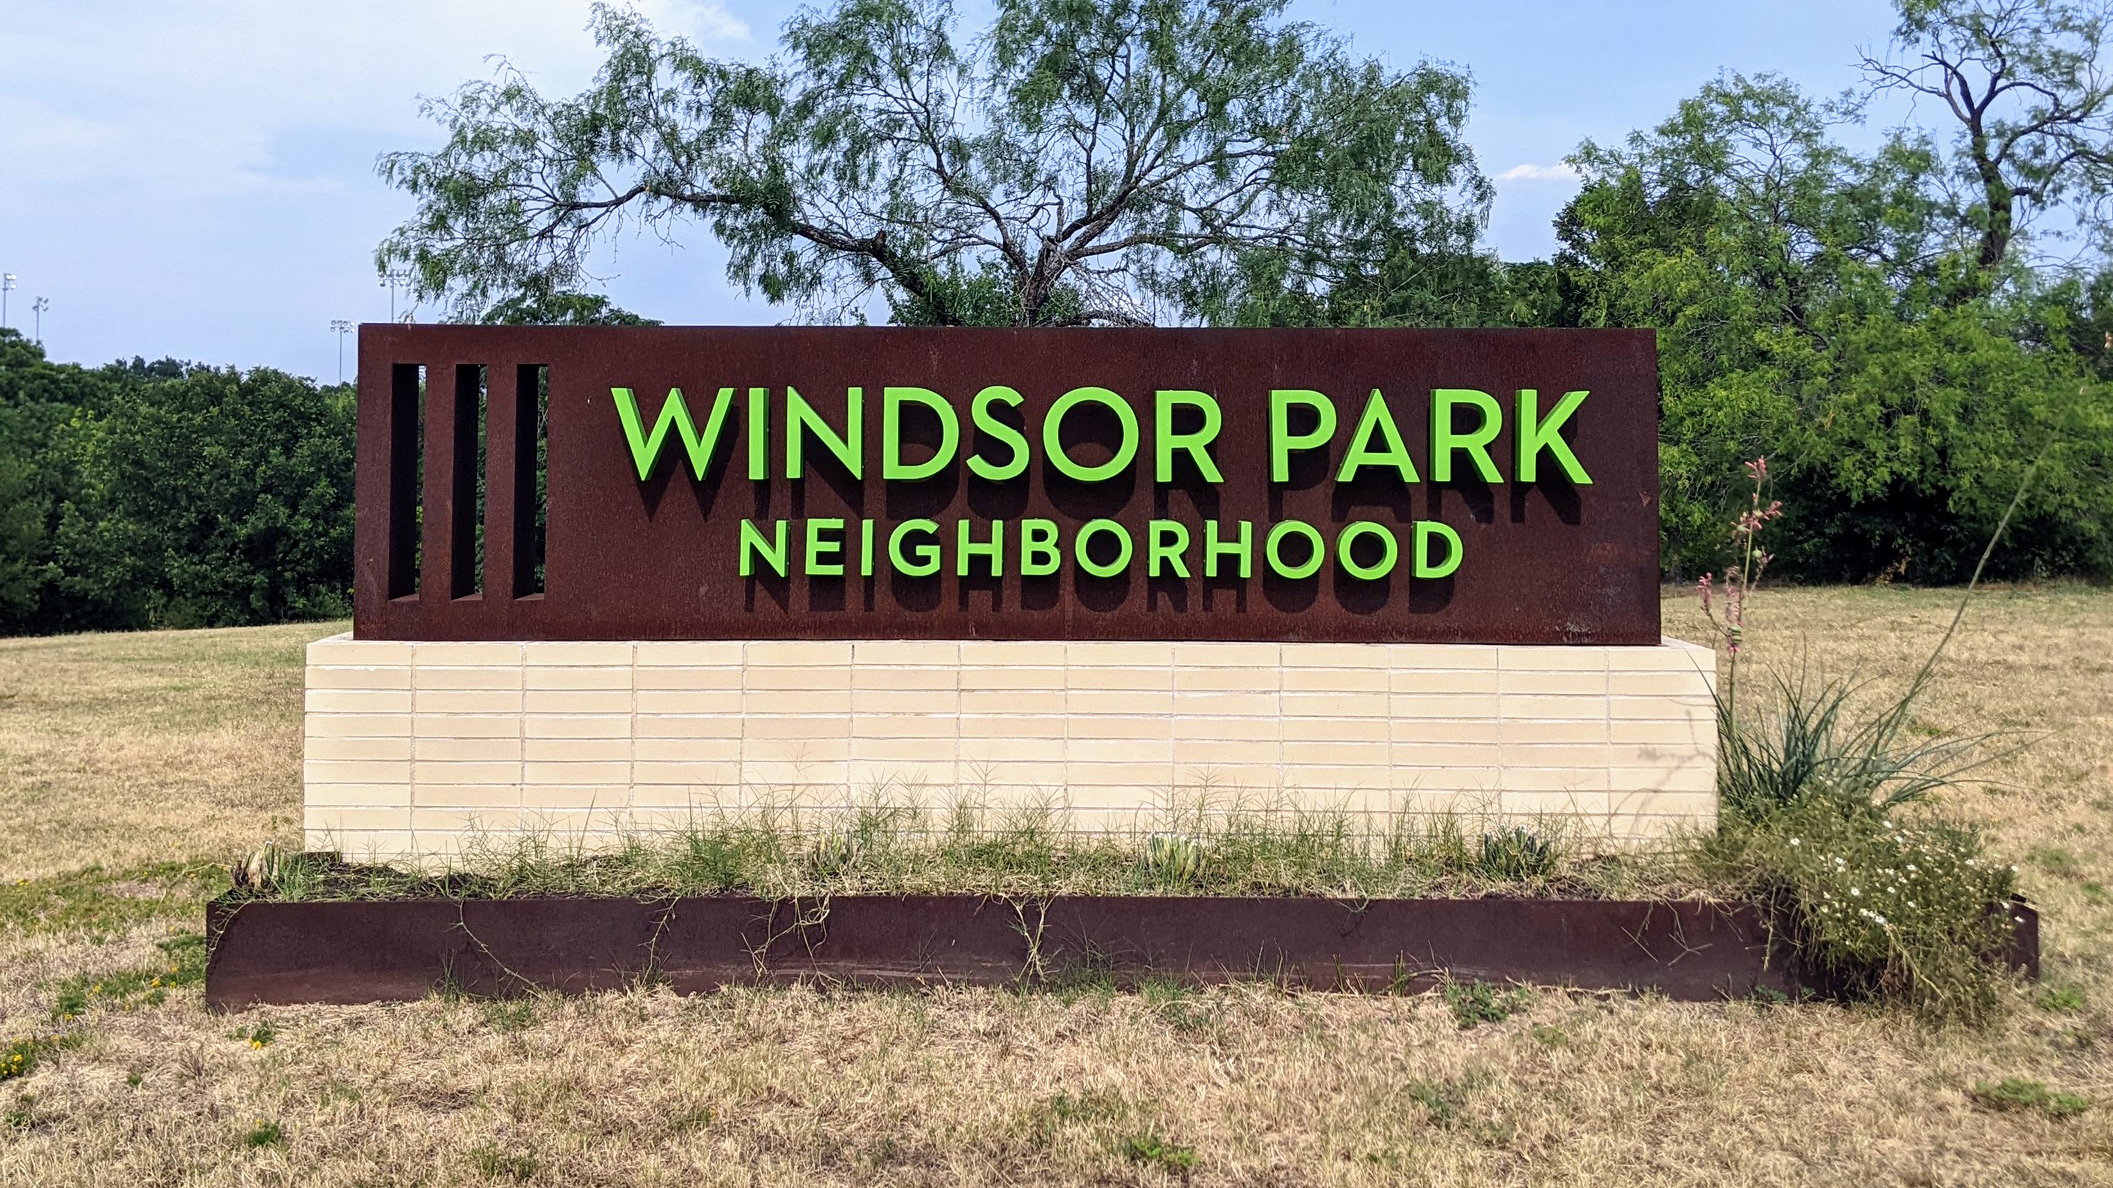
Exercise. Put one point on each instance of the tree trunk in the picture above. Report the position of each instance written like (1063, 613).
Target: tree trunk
(1996, 232)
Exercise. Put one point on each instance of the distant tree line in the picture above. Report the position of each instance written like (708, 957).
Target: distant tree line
(169, 495)
(1902, 330)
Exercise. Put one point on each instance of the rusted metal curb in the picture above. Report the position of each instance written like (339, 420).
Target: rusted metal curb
(369, 951)
(372, 951)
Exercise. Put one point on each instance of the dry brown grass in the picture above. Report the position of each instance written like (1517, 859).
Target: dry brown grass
(784, 1087)
(152, 746)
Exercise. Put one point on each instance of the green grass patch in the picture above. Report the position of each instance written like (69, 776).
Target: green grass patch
(2017, 1094)
(2064, 1000)
(183, 965)
(105, 902)
(265, 1133)
(21, 1055)
(1152, 1150)
(495, 1164)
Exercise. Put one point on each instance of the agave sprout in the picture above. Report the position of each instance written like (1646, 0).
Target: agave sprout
(833, 853)
(1172, 858)
(260, 870)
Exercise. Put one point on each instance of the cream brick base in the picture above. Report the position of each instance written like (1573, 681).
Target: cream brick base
(414, 747)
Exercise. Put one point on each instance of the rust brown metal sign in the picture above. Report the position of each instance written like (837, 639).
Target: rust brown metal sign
(758, 482)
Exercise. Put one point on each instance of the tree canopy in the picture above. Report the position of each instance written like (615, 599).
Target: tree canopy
(1125, 162)
(2030, 104)
(1821, 306)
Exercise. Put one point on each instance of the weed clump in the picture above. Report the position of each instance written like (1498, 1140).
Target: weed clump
(1476, 1003)
(265, 1133)
(1155, 1151)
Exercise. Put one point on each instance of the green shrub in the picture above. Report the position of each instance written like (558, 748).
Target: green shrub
(1902, 906)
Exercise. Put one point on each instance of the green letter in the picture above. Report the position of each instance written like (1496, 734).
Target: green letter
(753, 545)
(1425, 531)
(865, 548)
(645, 450)
(759, 433)
(1307, 568)
(1053, 443)
(965, 546)
(820, 551)
(1085, 537)
(1349, 536)
(1444, 441)
(1165, 440)
(1038, 548)
(891, 464)
(979, 412)
(1536, 435)
(1169, 540)
(1281, 441)
(800, 415)
(927, 553)
(1243, 548)
(1377, 419)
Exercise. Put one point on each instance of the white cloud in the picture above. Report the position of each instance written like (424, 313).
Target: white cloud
(1538, 173)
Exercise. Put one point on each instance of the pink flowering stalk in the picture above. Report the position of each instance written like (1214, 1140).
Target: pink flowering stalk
(1738, 583)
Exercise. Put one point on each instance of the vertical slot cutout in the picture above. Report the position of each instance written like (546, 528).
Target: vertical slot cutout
(466, 540)
(407, 386)
(531, 475)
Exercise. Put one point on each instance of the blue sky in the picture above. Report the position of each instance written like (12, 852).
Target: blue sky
(195, 177)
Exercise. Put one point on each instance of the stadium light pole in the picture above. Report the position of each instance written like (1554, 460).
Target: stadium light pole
(7, 285)
(392, 278)
(343, 327)
(38, 307)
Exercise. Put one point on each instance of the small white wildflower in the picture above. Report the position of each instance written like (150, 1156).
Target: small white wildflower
(1796, 842)
(1856, 891)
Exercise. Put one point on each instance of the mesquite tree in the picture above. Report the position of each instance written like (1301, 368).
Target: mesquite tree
(2023, 82)
(1077, 163)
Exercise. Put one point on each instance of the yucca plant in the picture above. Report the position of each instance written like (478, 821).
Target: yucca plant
(1816, 741)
